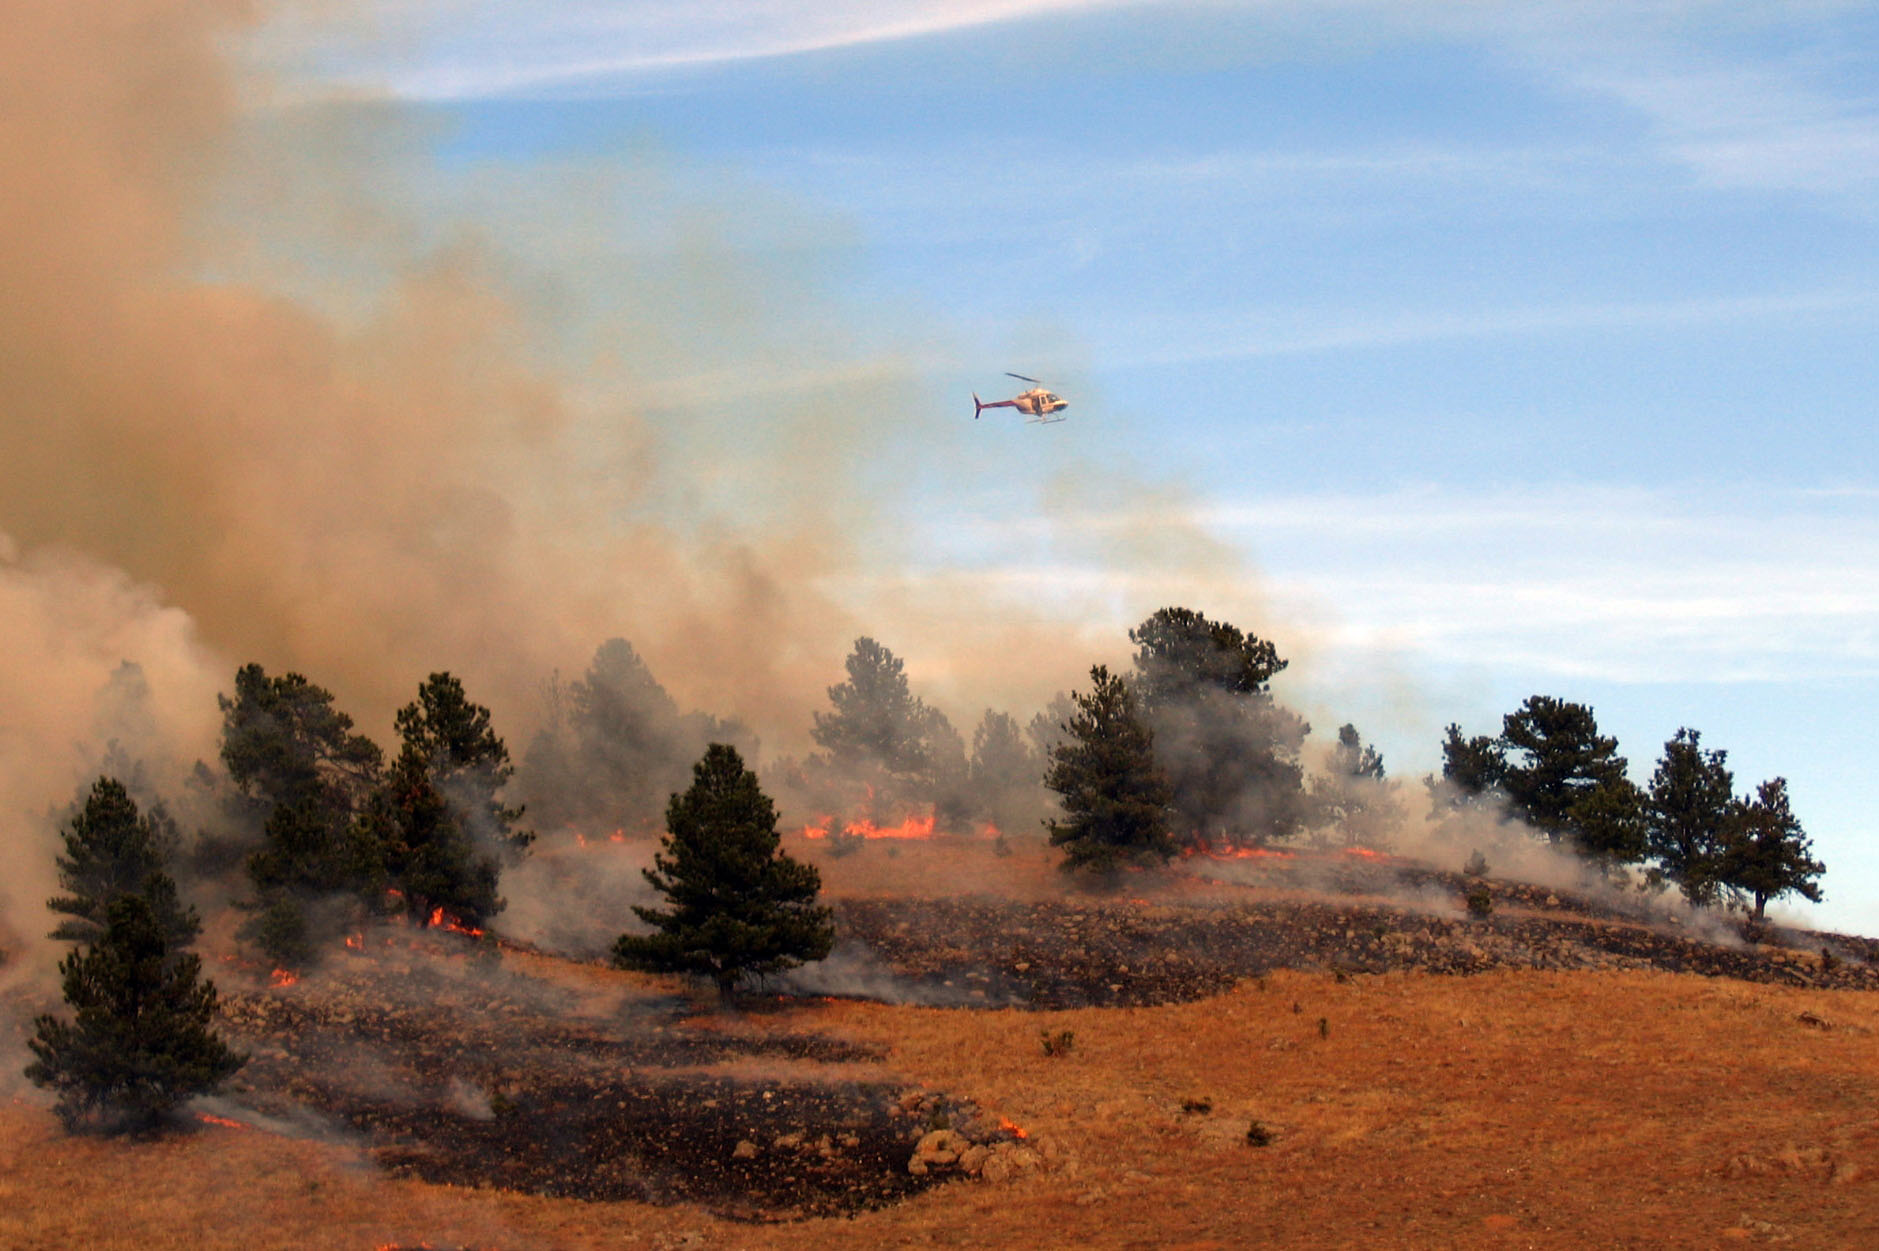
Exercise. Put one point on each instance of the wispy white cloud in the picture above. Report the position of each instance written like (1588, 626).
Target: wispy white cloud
(466, 49)
(1272, 334)
(1627, 585)
(1772, 97)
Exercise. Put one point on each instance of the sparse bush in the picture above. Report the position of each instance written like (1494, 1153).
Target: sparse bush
(1056, 1043)
(1197, 1105)
(279, 929)
(1258, 1135)
(1477, 865)
(1324, 1027)
(1479, 899)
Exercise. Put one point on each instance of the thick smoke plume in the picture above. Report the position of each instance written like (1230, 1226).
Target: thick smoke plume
(278, 390)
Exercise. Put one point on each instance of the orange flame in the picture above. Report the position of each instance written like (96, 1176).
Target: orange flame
(282, 977)
(1364, 853)
(1013, 1128)
(441, 920)
(1240, 853)
(914, 827)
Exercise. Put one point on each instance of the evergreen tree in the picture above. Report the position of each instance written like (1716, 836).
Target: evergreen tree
(633, 748)
(140, 1043)
(1609, 824)
(884, 742)
(1765, 853)
(1003, 771)
(1051, 726)
(876, 718)
(307, 777)
(283, 742)
(1229, 752)
(437, 820)
(1114, 796)
(739, 907)
(1349, 794)
(1688, 809)
(1555, 758)
(450, 739)
(112, 850)
(1474, 767)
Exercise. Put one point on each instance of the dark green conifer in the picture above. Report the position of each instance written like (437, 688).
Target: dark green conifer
(438, 820)
(738, 907)
(112, 850)
(1114, 796)
(1765, 852)
(140, 1043)
(1688, 810)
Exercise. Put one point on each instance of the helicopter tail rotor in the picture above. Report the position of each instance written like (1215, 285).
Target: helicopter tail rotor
(978, 406)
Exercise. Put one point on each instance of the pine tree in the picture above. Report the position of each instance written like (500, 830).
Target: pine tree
(307, 776)
(112, 850)
(1474, 768)
(876, 719)
(1555, 757)
(283, 742)
(451, 738)
(1003, 772)
(1349, 795)
(1765, 853)
(1114, 795)
(140, 1043)
(1688, 809)
(1228, 750)
(1609, 824)
(738, 906)
(437, 820)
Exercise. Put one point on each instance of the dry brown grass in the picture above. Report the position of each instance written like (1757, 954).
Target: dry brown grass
(1513, 1109)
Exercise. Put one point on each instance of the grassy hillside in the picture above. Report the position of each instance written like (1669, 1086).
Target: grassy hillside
(1339, 1103)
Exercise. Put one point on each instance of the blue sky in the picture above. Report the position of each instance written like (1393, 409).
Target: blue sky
(1491, 349)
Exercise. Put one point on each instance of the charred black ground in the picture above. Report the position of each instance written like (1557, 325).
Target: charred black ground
(467, 1076)
(1123, 952)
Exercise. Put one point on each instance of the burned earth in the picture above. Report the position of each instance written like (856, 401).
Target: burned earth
(1172, 946)
(477, 1076)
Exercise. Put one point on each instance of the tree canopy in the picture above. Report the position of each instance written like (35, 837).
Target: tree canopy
(738, 907)
(140, 1042)
(876, 717)
(112, 850)
(1229, 752)
(284, 742)
(1555, 759)
(1688, 807)
(439, 818)
(1114, 796)
(1765, 853)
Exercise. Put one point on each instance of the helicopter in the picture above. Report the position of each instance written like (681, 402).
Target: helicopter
(1037, 404)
